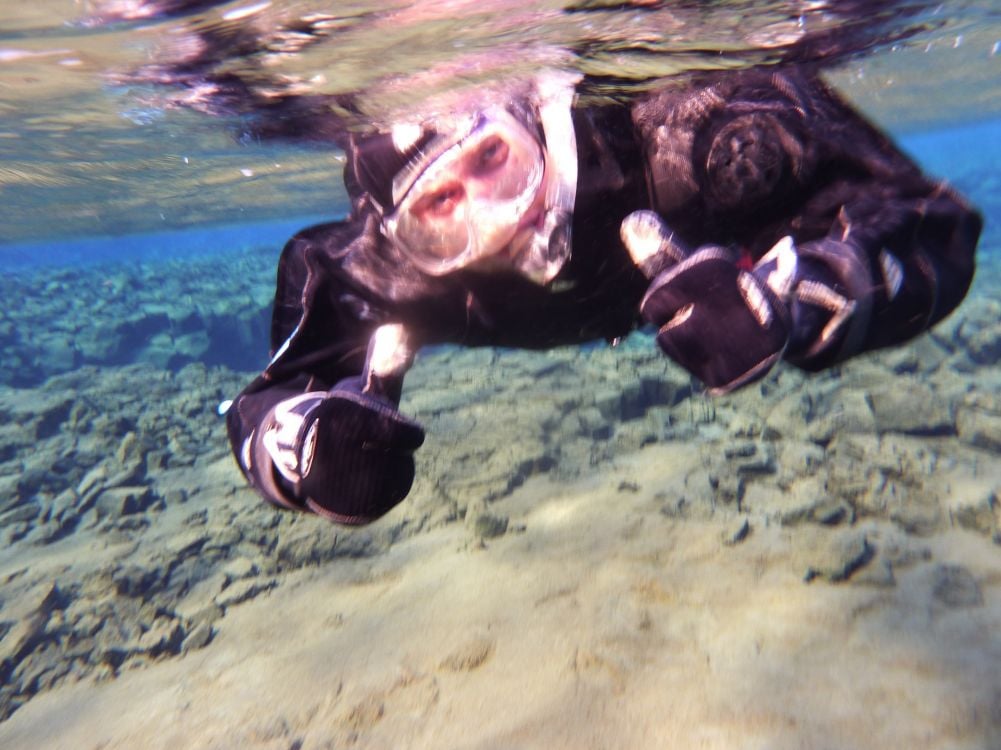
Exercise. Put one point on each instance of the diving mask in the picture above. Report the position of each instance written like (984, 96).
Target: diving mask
(481, 193)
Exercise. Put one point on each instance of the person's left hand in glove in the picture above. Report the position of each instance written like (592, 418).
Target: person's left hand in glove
(726, 325)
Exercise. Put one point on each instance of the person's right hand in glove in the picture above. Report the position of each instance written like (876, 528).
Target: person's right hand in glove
(344, 454)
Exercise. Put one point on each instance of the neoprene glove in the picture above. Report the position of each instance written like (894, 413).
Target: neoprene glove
(344, 454)
(728, 325)
(723, 324)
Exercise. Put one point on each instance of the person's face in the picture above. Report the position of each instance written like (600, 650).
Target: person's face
(483, 198)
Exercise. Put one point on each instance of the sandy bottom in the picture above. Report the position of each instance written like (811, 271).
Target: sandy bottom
(595, 622)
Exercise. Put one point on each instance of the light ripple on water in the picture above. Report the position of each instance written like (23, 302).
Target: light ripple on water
(82, 140)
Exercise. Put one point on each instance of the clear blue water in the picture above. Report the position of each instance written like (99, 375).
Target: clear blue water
(151, 246)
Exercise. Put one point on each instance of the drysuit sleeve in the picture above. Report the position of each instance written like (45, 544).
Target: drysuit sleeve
(319, 430)
(877, 252)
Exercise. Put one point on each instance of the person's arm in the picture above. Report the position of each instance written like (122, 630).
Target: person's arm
(788, 226)
(319, 429)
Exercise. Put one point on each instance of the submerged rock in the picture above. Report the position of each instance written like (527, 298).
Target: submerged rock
(837, 557)
(489, 525)
(737, 532)
(24, 622)
(242, 590)
(955, 587)
(841, 460)
(198, 638)
(982, 515)
(124, 501)
(910, 406)
(849, 412)
(750, 458)
(979, 428)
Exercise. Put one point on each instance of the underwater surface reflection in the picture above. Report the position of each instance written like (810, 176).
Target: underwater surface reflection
(110, 155)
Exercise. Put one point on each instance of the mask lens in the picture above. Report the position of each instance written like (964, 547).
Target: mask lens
(504, 169)
(434, 225)
(469, 202)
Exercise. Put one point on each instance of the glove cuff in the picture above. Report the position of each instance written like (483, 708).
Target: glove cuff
(285, 434)
(831, 304)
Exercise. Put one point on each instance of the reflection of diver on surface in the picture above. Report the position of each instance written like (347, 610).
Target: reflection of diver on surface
(749, 216)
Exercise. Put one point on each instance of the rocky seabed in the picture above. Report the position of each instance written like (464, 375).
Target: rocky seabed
(129, 535)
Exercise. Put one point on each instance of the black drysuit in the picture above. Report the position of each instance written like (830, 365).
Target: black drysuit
(733, 161)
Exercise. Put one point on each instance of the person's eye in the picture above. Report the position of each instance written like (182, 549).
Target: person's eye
(442, 201)
(491, 154)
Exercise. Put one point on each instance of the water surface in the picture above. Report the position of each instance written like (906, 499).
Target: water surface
(84, 139)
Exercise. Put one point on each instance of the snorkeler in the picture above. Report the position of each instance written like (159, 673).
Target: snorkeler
(748, 216)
